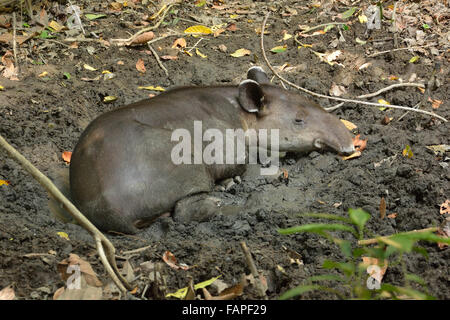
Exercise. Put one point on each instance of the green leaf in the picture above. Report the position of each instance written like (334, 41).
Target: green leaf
(347, 14)
(45, 35)
(92, 16)
(346, 247)
(415, 294)
(425, 26)
(345, 27)
(346, 267)
(359, 217)
(328, 27)
(327, 277)
(298, 291)
(319, 228)
(279, 49)
(200, 3)
(413, 59)
(421, 251)
(67, 75)
(326, 216)
(415, 278)
(26, 25)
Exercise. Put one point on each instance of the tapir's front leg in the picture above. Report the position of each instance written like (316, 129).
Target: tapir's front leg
(199, 207)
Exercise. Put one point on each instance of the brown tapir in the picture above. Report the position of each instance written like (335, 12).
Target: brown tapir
(122, 171)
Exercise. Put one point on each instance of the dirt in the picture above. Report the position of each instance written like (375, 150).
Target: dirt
(44, 116)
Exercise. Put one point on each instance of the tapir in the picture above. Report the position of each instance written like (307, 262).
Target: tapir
(122, 175)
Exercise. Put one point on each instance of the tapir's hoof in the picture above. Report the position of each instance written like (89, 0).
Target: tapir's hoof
(198, 208)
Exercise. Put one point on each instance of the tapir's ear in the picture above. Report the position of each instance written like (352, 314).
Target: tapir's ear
(251, 96)
(257, 74)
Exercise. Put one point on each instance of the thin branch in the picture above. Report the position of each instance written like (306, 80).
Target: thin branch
(392, 86)
(158, 60)
(399, 49)
(328, 97)
(253, 270)
(105, 244)
(376, 240)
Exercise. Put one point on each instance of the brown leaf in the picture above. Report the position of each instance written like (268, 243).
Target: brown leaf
(445, 207)
(232, 27)
(392, 215)
(368, 261)
(66, 156)
(169, 57)
(84, 268)
(179, 43)
(435, 104)
(7, 293)
(140, 66)
(382, 208)
(142, 38)
(359, 144)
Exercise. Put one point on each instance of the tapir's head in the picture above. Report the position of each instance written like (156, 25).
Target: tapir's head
(303, 125)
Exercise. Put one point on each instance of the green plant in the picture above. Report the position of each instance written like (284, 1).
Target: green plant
(360, 281)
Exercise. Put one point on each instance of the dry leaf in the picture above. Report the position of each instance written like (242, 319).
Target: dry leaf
(382, 208)
(179, 43)
(392, 215)
(7, 293)
(66, 156)
(142, 39)
(359, 144)
(4, 182)
(140, 66)
(349, 125)
(240, 53)
(198, 29)
(171, 261)
(445, 207)
(435, 104)
(355, 154)
(337, 90)
(84, 268)
(169, 57)
(368, 262)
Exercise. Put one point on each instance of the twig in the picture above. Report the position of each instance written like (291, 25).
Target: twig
(253, 270)
(322, 25)
(329, 97)
(195, 45)
(130, 39)
(392, 86)
(395, 25)
(136, 250)
(105, 247)
(158, 60)
(376, 240)
(15, 45)
(334, 107)
(399, 49)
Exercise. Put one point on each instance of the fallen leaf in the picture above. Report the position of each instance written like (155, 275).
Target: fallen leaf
(171, 261)
(382, 101)
(92, 16)
(141, 39)
(157, 88)
(382, 208)
(223, 48)
(355, 154)
(83, 267)
(232, 27)
(63, 235)
(349, 125)
(392, 215)
(88, 67)
(4, 182)
(66, 156)
(169, 57)
(407, 152)
(218, 32)
(337, 90)
(179, 43)
(56, 26)
(200, 54)
(109, 99)
(439, 149)
(43, 74)
(359, 144)
(445, 207)
(140, 66)
(279, 49)
(198, 29)
(181, 293)
(240, 53)
(7, 293)
(435, 104)
(382, 267)
(413, 59)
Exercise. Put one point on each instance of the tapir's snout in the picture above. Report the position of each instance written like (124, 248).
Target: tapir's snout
(334, 135)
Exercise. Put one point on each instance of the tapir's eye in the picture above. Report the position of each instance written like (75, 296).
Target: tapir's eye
(299, 122)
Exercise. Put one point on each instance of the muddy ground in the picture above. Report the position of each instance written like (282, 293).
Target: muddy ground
(44, 116)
